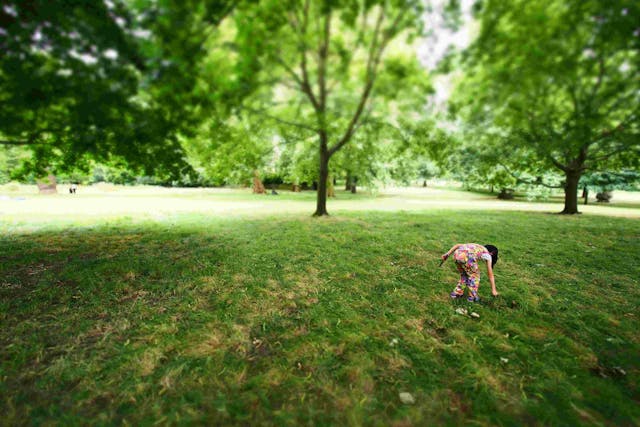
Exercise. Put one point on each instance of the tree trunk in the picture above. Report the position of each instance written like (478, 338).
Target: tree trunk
(572, 177)
(424, 183)
(347, 182)
(49, 187)
(585, 194)
(331, 189)
(258, 187)
(321, 206)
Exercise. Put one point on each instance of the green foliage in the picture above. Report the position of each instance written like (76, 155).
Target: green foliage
(404, 81)
(229, 152)
(11, 158)
(537, 193)
(298, 159)
(141, 84)
(66, 73)
(453, 14)
(177, 34)
(318, 66)
(607, 181)
(555, 85)
(81, 81)
(389, 152)
(272, 179)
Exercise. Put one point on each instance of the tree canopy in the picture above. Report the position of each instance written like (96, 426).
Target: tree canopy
(208, 91)
(313, 65)
(555, 86)
(93, 80)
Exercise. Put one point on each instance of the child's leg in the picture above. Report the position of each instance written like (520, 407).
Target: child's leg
(459, 290)
(473, 283)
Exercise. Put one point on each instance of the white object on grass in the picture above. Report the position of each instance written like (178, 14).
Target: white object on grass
(407, 398)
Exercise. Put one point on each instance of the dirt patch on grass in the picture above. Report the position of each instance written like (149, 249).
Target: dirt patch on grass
(149, 361)
(457, 402)
(209, 343)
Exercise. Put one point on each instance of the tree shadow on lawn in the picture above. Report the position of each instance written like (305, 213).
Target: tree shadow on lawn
(345, 311)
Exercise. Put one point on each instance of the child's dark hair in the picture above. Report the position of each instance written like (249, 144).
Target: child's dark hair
(494, 254)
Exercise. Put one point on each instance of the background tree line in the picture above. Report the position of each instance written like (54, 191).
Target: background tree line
(204, 92)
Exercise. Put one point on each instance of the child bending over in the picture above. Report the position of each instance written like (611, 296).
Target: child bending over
(467, 256)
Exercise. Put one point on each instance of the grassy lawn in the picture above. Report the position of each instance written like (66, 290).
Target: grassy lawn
(189, 307)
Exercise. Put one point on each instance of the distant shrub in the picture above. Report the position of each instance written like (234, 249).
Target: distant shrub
(506, 194)
(12, 187)
(146, 180)
(272, 179)
(538, 194)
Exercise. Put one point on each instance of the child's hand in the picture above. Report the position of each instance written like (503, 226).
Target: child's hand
(495, 293)
(445, 256)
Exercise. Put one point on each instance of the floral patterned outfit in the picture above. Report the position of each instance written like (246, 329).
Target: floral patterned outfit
(466, 258)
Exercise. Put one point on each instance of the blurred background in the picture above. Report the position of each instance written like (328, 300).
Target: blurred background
(535, 97)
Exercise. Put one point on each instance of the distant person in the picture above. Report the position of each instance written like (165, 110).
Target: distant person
(73, 188)
(467, 256)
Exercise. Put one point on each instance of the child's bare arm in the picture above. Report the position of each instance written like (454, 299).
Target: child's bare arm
(450, 251)
(494, 292)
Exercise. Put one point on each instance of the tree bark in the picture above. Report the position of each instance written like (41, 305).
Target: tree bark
(321, 109)
(331, 190)
(572, 177)
(321, 206)
(585, 194)
(258, 187)
(347, 182)
(49, 187)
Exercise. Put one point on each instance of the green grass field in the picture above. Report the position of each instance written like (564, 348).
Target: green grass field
(142, 307)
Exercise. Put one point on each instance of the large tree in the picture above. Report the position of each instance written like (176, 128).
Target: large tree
(556, 83)
(383, 149)
(323, 58)
(95, 79)
(66, 71)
